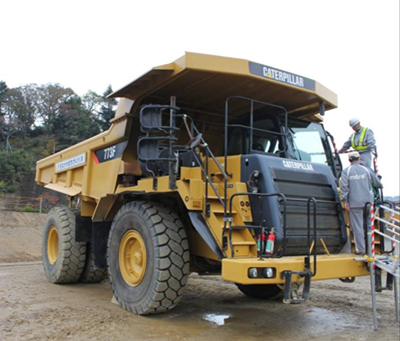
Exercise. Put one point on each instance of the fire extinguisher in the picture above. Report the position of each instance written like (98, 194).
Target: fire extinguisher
(261, 241)
(270, 242)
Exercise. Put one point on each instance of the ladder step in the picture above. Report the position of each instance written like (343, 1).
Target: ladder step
(243, 243)
(221, 211)
(214, 197)
(240, 227)
(218, 173)
(389, 265)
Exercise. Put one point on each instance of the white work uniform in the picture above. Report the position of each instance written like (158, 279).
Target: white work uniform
(356, 190)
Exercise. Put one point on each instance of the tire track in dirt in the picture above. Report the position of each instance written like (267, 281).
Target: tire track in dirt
(33, 309)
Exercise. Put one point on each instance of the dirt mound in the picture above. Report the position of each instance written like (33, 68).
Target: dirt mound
(20, 236)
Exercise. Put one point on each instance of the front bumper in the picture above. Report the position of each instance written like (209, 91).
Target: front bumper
(328, 267)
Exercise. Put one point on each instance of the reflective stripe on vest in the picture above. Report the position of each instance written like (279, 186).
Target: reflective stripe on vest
(360, 141)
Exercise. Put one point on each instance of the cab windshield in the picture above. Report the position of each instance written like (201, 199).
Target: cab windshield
(306, 141)
(265, 134)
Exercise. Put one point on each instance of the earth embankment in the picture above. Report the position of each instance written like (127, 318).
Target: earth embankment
(20, 236)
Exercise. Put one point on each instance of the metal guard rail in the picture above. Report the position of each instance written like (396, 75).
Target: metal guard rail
(310, 201)
(380, 207)
(205, 170)
(230, 220)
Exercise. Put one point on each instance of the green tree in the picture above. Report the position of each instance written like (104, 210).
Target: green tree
(2, 187)
(18, 113)
(20, 106)
(38, 120)
(50, 97)
(3, 91)
(107, 109)
(74, 123)
(13, 166)
(91, 101)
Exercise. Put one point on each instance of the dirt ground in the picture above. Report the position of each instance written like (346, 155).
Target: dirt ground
(33, 309)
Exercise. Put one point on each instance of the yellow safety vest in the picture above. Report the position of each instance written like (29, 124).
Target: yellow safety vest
(360, 141)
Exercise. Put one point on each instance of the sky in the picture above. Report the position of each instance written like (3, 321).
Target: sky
(349, 46)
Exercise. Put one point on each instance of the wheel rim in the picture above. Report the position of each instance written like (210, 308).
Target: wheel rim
(52, 245)
(132, 258)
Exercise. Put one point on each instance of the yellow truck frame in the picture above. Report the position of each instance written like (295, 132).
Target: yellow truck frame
(164, 191)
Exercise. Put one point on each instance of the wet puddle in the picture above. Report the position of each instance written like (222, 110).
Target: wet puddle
(318, 320)
(219, 320)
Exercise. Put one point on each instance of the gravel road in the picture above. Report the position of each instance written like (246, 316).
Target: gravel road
(33, 309)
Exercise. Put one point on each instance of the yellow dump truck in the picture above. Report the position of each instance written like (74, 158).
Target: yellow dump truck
(211, 164)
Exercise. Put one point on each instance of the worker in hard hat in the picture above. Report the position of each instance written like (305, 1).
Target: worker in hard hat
(356, 190)
(362, 140)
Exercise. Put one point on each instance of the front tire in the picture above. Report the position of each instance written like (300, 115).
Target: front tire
(148, 258)
(63, 257)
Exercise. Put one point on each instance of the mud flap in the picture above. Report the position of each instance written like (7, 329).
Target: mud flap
(288, 292)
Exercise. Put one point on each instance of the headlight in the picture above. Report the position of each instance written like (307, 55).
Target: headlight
(253, 273)
(268, 272)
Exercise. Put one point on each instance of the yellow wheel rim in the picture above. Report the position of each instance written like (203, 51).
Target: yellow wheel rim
(132, 258)
(52, 245)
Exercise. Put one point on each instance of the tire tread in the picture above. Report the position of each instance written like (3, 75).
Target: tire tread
(171, 258)
(71, 256)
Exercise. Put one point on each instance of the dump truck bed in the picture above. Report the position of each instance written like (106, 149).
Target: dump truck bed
(201, 83)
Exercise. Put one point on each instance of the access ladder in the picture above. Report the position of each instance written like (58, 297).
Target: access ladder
(388, 262)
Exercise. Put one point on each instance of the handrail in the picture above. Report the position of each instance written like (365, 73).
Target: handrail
(208, 181)
(205, 145)
(391, 222)
(388, 209)
(259, 195)
(257, 129)
(252, 101)
(205, 171)
(170, 130)
(285, 200)
(208, 153)
(172, 109)
(314, 201)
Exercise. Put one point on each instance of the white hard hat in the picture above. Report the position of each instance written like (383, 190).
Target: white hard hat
(354, 156)
(354, 121)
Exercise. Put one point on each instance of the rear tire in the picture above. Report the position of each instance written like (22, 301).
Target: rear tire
(148, 258)
(63, 258)
(260, 291)
(90, 273)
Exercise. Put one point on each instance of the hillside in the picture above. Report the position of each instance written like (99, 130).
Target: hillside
(21, 236)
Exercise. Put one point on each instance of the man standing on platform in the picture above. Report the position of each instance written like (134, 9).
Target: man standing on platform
(363, 141)
(356, 190)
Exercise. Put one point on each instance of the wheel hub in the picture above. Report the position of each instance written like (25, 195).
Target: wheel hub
(52, 245)
(137, 257)
(132, 258)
